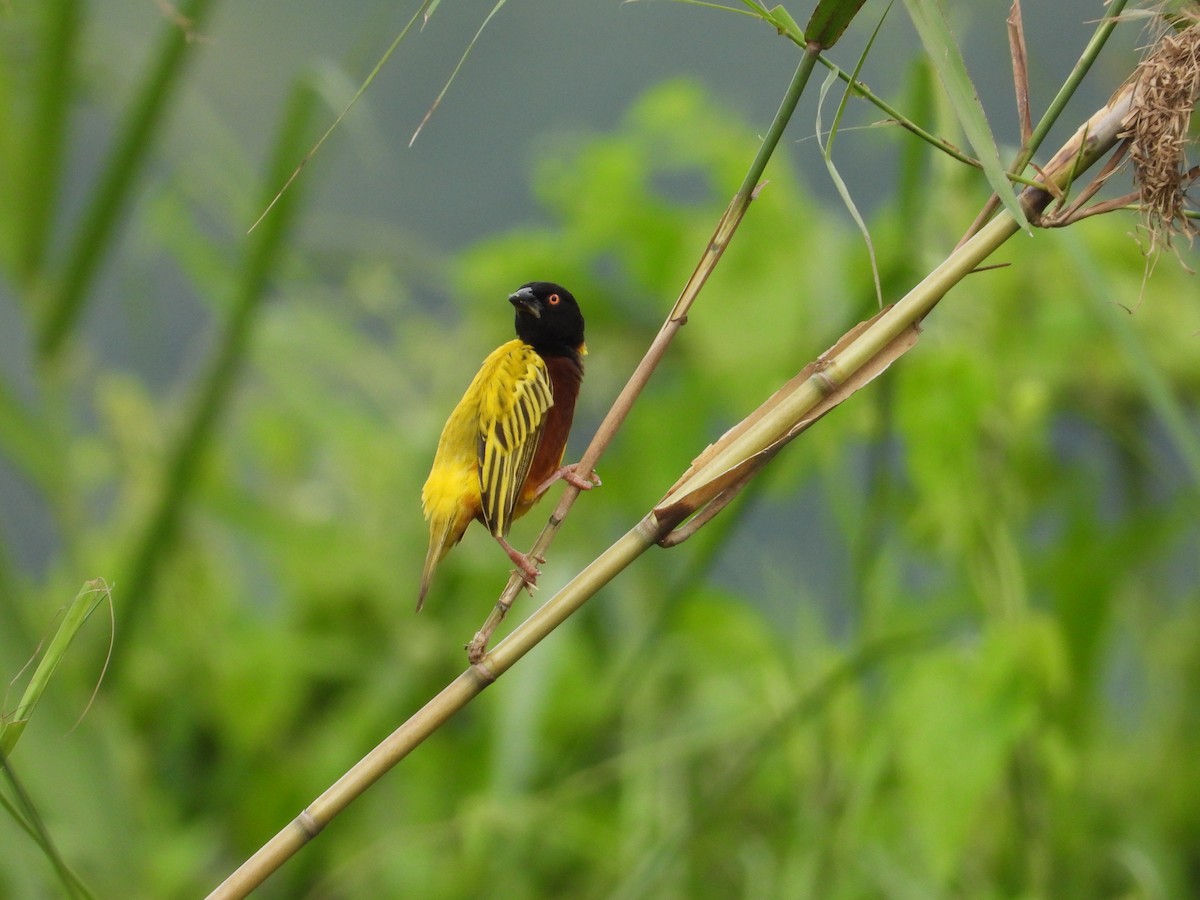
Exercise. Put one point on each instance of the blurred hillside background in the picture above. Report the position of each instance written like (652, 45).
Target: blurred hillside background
(947, 646)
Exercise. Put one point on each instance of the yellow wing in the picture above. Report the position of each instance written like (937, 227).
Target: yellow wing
(514, 398)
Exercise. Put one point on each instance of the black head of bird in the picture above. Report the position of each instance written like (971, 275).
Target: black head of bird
(548, 318)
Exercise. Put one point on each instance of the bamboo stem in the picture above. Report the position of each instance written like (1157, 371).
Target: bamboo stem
(676, 319)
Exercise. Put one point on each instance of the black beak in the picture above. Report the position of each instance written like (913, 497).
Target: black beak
(526, 301)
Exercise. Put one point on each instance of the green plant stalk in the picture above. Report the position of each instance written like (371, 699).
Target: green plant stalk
(1095, 138)
(216, 388)
(437, 712)
(783, 24)
(676, 319)
(98, 227)
(25, 814)
(44, 152)
(860, 89)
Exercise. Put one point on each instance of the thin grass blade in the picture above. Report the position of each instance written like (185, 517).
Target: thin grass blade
(462, 59)
(423, 12)
(89, 597)
(827, 151)
(843, 191)
(930, 21)
(25, 814)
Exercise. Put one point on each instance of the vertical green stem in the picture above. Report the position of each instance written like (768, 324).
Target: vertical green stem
(44, 152)
(97, 229)
(216, 387)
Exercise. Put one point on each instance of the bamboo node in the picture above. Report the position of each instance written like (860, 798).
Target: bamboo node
(308, 824)
(485, 675)
(824, 383)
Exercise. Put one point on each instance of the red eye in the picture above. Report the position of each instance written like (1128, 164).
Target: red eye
(553, 299)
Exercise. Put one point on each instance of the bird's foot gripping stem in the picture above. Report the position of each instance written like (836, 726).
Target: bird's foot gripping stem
(571, 476)
(526, 565)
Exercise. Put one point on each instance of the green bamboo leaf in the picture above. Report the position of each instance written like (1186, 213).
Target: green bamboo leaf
(88, 598)
(830, 20)
(930, 22)
(786, 25)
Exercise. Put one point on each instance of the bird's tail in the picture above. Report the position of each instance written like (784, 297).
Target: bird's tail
(440, 542)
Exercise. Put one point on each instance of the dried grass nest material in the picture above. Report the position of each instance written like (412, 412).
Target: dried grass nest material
(1168, 86)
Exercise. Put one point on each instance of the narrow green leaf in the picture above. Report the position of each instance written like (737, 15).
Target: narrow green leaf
(930, 22)
(830, 20)
(88, 598)
(827, 151)
(786, 25)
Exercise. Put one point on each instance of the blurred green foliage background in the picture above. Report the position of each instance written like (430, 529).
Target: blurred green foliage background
(946, 646)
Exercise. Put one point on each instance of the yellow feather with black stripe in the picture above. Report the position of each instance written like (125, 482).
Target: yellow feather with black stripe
(510, 427)
(485, 450)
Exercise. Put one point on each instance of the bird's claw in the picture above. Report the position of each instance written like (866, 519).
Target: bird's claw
(530, 584)
(529, 575)
(569, 475)
(584, 484)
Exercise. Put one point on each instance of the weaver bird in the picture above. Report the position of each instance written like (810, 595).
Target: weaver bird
(503, 445)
